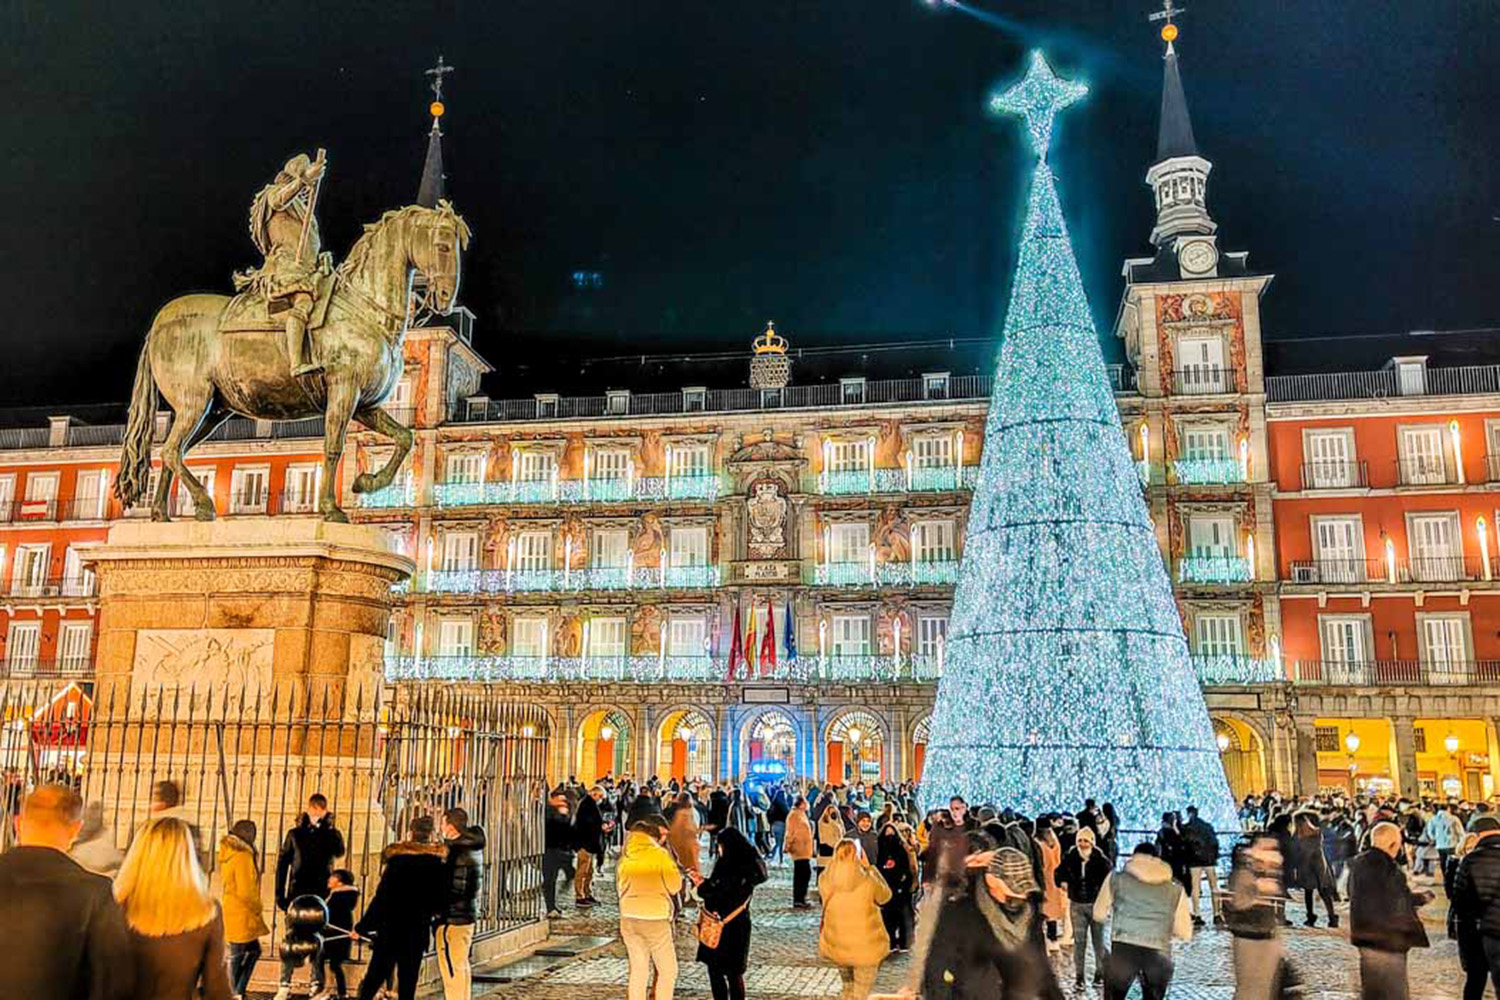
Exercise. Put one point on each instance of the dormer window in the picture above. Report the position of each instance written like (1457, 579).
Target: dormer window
(546, 405)
(853, 391)
(694, 400)
(617, 402)
(935, 386)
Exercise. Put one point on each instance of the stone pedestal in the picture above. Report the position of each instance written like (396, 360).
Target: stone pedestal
(241, 606)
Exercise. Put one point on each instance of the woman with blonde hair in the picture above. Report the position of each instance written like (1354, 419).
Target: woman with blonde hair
(176, 929)
(853, 935)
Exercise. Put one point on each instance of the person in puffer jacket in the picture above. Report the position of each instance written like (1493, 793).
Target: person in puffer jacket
(1146, 908)
(455, 929)
(648, 881)
(1252, 911)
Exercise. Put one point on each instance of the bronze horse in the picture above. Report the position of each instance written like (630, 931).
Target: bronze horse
(208, 375)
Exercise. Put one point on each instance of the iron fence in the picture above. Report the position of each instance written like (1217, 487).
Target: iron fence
(382, 755)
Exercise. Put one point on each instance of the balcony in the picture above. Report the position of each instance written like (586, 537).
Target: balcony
(68, 667)
(394, 496)
(55, 511)
(1449, 569)
(1425, 472)
(578, 491)
(869, 481)
(903, 574)
(81, 587)
(499, 581)
(1226, 670)
(1368, 673)
(1219, 570)
(1383, 385)
(1346, 475)
(1208, 471)
(1205, 381)
(1337, 572)
(652, 668)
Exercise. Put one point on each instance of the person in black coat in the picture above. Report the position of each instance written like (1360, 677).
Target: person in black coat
(557, 855)
(1383, 920)
(399, 917)
(65, 932)
(1083, 871)
(461, 902)
(588, 841)
(737, 870)
(308, 853)
(1474, 916)
(893, 861)
(342, 898)
(1312, 867)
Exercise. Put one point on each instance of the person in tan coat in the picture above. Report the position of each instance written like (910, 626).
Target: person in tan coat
(800, 848)
(853, 936)
(1055, 900)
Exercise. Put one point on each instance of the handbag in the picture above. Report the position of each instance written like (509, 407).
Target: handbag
(711, 926)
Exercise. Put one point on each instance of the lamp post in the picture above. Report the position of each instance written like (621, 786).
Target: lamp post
(853, 736)
(1351, 743)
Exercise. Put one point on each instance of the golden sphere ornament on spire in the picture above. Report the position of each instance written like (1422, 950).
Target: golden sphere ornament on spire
(1169, 33)
(437, 108)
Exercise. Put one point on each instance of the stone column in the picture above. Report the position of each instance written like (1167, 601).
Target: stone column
(1307, 756)
(1403, 728)
(648, 743)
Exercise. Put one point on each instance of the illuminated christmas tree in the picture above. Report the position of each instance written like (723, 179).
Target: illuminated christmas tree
(1067, 673)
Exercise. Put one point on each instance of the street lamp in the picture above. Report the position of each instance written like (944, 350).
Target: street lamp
(606, 733)
(1223, 742)
(1451, 742)
(853, 736)
(1351, 743)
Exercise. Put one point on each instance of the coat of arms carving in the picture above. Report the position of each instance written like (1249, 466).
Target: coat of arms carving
(768, 510)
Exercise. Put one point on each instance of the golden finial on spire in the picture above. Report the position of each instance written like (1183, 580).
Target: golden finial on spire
(770, 342)
(1169, 11)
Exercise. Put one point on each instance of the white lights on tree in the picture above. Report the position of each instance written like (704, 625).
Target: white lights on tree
(1066, 674)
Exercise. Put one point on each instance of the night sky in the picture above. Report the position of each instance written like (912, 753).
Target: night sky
(824, 163)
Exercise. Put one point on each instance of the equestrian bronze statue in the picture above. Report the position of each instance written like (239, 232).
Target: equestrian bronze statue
(301, 339)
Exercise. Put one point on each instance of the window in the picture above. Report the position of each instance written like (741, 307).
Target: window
(1411, 377)
(932, 542)
(1435, 550)
(185, 505)
(932, 451)
(1444, 639)
(302, 485)
(1211, 537)
(1419, 739)
(1422, 462)
(30, 573)
(1202, 365)
(851, 635)
(617, 402)
(770, 399)
(465, 468)
(687, 636)
(74, 643)
(456, 637)
(932, 632)
(22, 646)
(250, 489)
(460, 551)
(90, 495)
(41, 495)
(608, 548)
(610, 463)
(849, 456)
(606, 638)
(688, 547)
(852, 391)
(400, 398)
(1327, 739)
(528, 637)
(533, 550)
(849, 543)
(1492, 456)
(935, 386)
(1330, 460)
(77, 581)
(694, 400)
(1340, 549)
(1205, 444)
(1346, 638)
(546, 406)
(536, 466)
(7, 496)
(1218, 635)
(688, 460)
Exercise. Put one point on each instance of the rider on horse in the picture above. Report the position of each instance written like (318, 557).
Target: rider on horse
(294, 263)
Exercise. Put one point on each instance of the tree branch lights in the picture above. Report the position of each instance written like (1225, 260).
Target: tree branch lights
(1066, 673)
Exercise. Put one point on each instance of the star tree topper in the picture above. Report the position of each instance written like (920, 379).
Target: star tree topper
(1039, 96)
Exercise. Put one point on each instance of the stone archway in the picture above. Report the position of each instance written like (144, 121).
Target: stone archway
(921, 733)
(769, 739)
(1242, 751)
(685, 745)
(854, 744)
(605, 743)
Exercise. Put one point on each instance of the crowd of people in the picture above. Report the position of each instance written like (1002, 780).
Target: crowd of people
(988, 902)
(96, 923)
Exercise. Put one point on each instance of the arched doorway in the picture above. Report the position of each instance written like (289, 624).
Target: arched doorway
(685, 747)
(920, 734)
(771, 743)
(1243, 756)
(604, 741)
(856, 748)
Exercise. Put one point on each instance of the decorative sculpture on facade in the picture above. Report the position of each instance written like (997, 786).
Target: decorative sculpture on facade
(768, 511)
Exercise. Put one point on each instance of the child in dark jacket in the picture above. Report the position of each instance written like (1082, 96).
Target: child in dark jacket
(341, 899)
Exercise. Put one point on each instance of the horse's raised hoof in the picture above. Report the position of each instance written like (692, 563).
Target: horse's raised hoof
(159, 515)
(203, 511)
(364, 483)
(336, 516)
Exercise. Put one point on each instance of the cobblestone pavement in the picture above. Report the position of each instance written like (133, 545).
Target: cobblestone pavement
(784, 958)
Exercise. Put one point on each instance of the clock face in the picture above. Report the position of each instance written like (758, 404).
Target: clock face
(1198, 257)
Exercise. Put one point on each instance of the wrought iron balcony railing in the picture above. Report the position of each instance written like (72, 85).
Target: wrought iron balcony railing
(1223, 570)
(1366, 673)
(499, 581)
(30, 666)
(1341, 475)
(865, 481)
(1335, 572)
(396, 495)
(1425, 472)
(80, 586)
(1384, 384)
(1217, 670)
(902, 574)
(579, 491)
(1208, 471)
(653, 667)
(1205, 381)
